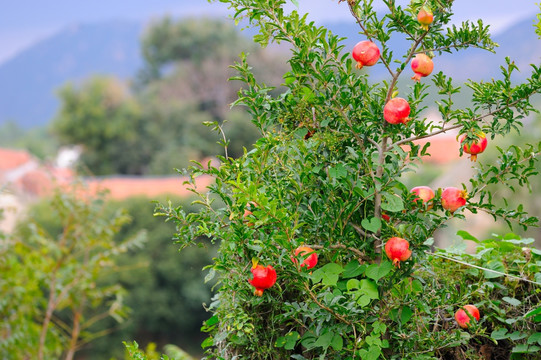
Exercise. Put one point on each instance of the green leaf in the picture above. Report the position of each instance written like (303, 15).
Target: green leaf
(370, 289)
(517, 335)
(392, 203)
(494, 265)
(337, 342)
(324, 340)
(353, 269)
(328, 274)
(520, 349)
(363, 300)
(406, 314)
(511, 301)
(533, 312)
(417, 286)
(288, 341)
(377, 271)
(535, 338)
(212, 321)
(352, 284)
(207, 343)
(499, 334)
(339, 171)
(372, 353)
(372, 224)
(466, 235)
(300, 133)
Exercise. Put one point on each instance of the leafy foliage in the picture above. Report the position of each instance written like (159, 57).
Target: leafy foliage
(52, 286)
(325, 169)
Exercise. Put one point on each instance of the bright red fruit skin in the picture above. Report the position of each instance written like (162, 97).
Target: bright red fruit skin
(397, 249)
(453, 198)
(366, 53)
(425, 18)
(310, 261)
(476, 147)
(422, 66)
(463, 319)
(396, 111)
(264, 278)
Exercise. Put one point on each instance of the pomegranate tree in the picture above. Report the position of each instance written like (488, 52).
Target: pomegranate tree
(396, 111)
(365, 53)
(336, 189)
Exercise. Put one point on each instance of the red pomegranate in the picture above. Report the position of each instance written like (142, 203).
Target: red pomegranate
(463, 319)
(476, 147)
(423, 193)
(366, 53)
(425, 17)
(264, 278)
(397, 249)
(396, 111)
(422, 66)
(453, 198)
(309, 261)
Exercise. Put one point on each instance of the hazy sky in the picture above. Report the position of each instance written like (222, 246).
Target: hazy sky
(23, 22)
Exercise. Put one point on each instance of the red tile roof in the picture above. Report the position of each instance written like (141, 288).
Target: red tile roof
(124, 187)
(11, 159)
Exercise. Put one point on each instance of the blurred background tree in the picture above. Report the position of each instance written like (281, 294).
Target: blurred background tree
(162, 287)
(52, 284)
(158, 126)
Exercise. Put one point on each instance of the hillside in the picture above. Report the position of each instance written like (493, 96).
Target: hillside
(29, 80)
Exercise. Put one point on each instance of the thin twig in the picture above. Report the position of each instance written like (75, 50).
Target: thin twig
(482, 268)
(456, 126)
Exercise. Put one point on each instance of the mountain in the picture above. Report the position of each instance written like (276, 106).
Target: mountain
(29, 80)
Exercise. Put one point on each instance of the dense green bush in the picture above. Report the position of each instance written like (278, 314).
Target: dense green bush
(325, 170)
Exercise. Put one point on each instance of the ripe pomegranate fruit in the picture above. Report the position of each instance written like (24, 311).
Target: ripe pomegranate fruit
(396, 111)
(397, 249)
(425, 17)
(264, 278)
(309, 261)
(476, 147)
(423, 193)
(366, 53)
(452, 198)
(463, 319)
(422, 66)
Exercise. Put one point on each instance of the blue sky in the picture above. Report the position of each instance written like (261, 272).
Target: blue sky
(24, 22)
